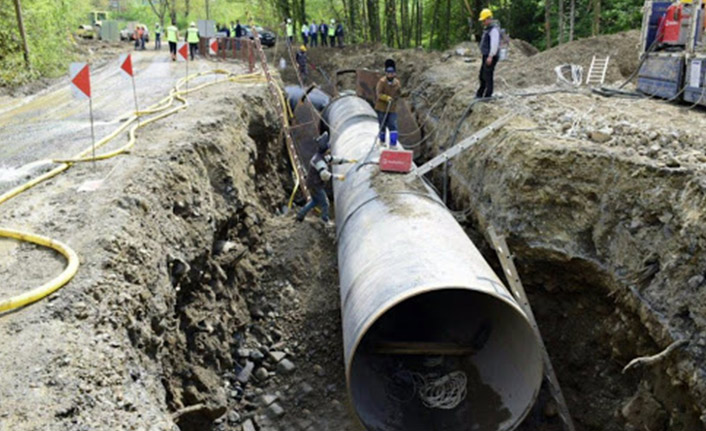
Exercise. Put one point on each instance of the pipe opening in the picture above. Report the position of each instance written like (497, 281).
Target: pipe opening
(408, 371)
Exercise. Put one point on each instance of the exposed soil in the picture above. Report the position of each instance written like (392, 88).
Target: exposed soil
(201, 305)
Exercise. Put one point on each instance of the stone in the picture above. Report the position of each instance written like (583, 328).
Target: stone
(305, 389)
(644, 412)
(246, 372)
(257, 356)
(319, 370)
(261, 374)
(599, 136)
(248, 425)
(233, 417)
(274, 410)
(277, 356)
(244, 353)
(267, 399)
(550, 409)
(285, 366)
(695, 281)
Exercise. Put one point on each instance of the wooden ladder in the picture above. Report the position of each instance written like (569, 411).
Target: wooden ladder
(597, 71)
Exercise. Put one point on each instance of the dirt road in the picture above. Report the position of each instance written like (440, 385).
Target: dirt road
(54, 124)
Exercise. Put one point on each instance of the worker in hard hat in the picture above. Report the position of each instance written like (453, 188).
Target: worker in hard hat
(387, 92)
(289, 28)
(332, 33)
(172, 38)
(157, 36)
(192, 37)
(489, 46)
(301, 61)
(318, 174)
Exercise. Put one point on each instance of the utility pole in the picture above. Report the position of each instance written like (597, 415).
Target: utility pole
(208, 15)
(21, 27)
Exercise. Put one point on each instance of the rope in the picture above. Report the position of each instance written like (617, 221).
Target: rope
(445, 392)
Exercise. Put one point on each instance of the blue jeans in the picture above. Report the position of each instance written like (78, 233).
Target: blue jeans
(390, 123)
(318, 198)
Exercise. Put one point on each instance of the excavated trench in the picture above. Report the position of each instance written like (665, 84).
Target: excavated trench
(592, 317)
(245, 326)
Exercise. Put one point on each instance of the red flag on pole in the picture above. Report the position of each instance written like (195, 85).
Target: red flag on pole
(81, 79)
(126, 64)
(183, 51)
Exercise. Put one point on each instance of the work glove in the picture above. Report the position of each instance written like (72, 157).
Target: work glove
(385, 98)
(352, 161)
(325, 175)
(341, 177)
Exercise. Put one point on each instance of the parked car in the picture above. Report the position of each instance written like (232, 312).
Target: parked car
(267, 38)
(86, 32)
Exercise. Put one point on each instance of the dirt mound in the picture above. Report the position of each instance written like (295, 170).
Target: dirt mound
(622, 48)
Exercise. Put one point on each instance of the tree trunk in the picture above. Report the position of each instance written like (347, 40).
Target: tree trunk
(23, 35)
(572, 19)
(374, 20)
(596, 28)
(435, 16)
(404, 18)
(447, 33)
(548, 22)
(561, 21)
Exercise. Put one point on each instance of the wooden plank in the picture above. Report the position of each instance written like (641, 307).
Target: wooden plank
(422, 348)
(518, 291)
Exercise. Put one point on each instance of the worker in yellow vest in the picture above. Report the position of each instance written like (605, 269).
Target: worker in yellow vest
(290, 30)
(192, 36)
(172, 37)
(332, 32)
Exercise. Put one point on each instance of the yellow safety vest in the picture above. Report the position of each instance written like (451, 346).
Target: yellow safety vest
(192, 35)
(172, 32)
(332, 30)
(290, 30)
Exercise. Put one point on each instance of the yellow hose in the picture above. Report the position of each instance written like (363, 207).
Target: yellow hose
(72, 258)
(49, 287)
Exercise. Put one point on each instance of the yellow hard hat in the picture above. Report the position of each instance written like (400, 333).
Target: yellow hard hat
(485, 14)
(302, 48)
(686, 1)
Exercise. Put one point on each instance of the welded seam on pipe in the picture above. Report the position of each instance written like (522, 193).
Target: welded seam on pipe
(378, 196)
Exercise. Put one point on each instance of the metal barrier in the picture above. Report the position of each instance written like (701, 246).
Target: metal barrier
(231, 48)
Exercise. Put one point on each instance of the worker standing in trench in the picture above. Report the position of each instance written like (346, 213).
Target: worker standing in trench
(387, 91)
(489, 45)
(318, 175)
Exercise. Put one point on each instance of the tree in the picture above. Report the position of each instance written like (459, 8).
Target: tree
(596, 27)
(23, 35)
(548, 22)
(572, 19)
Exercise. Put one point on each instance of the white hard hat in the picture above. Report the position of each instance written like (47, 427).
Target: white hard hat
(193, 24)
(289, 20)
(333, 21)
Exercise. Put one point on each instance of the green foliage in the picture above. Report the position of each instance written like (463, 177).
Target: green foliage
(48, 25)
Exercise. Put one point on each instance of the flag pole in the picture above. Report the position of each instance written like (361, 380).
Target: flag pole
(134, 95)
(93, 134)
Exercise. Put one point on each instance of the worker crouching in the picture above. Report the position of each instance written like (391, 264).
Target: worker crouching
(387, 92)
(318, 175)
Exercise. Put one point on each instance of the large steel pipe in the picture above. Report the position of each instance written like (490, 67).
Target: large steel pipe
(420, 305)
